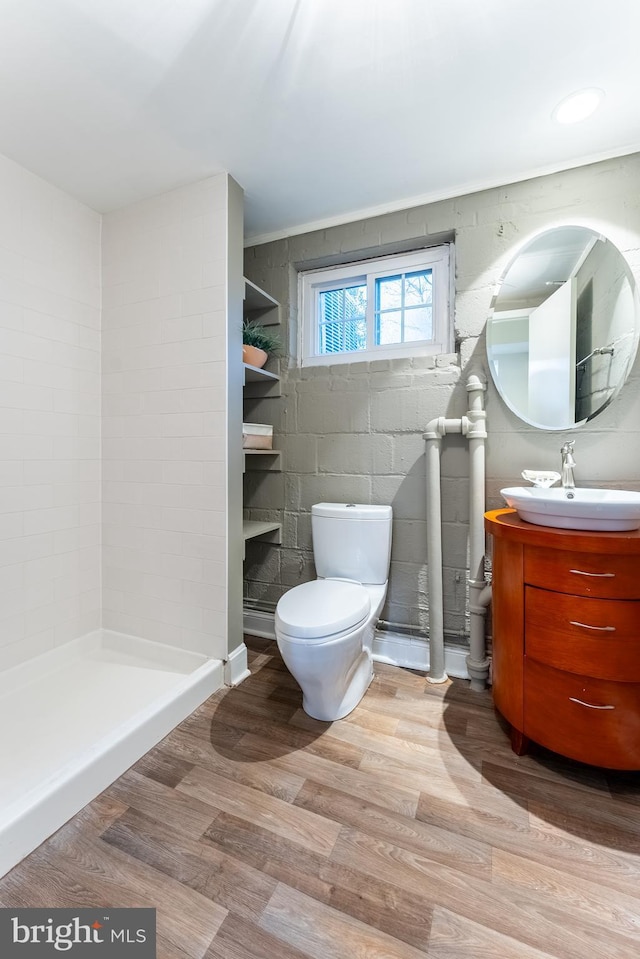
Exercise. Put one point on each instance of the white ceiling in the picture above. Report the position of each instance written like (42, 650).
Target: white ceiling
(321, 109)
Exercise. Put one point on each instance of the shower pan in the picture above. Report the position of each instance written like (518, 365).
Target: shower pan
(76, 717)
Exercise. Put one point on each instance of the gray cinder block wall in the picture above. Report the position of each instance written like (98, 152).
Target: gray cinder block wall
(353, 432)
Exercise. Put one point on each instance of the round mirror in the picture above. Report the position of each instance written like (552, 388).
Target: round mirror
(563, 332)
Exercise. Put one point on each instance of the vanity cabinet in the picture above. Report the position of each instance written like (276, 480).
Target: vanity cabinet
(566, 639)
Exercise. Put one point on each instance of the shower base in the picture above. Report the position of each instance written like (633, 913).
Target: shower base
(76, 717)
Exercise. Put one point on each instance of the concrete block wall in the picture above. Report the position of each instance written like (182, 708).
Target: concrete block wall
(353, 432)
(346, 436)
(49, 416)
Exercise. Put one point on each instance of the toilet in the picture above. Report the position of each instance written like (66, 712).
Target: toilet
(324, 629)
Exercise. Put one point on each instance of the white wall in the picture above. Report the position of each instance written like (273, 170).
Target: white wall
(49, 416)
(165, 290)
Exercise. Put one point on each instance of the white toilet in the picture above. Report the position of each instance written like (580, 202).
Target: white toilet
(325, 628)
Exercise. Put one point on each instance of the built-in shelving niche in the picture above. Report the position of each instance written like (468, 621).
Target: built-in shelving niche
(259, 383)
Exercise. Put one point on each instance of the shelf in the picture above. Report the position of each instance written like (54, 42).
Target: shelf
(254, 374)
(262, 460)
(260, 384)
(265, 531)
(252, 528)
(259, 305)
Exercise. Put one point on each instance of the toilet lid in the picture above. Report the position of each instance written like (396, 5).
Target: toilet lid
(321, 608)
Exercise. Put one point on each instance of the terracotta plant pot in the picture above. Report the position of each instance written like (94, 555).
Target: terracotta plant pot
(253, 356)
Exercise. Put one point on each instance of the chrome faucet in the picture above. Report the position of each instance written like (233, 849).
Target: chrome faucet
(568, 464)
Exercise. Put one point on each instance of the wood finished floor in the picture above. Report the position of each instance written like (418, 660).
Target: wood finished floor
(408, 829)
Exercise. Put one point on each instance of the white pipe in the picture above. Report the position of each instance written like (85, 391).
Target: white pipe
(479, 592)
(473, 426)
(477, 662)
(435, 431)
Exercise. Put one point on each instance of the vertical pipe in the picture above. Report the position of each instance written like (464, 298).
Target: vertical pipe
(479, 593)
(473, 426)
(437, 672)
(436, 429)
(476, 434)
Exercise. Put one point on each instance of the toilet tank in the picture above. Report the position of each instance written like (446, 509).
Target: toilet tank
(352, 541)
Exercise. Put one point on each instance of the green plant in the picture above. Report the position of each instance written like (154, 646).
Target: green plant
(255, 334)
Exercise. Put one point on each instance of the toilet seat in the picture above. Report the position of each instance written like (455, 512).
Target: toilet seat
(316, 611)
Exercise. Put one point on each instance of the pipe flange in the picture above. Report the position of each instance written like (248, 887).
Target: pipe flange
(438, 681)
(478, 671)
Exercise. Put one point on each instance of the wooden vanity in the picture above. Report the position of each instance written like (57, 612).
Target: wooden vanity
(566, 639)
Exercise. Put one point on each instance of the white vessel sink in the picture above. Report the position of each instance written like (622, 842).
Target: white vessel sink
(596, 509)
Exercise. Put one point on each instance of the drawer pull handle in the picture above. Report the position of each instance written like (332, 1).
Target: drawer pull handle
(572, 699)
(581, 572)
(602, 629)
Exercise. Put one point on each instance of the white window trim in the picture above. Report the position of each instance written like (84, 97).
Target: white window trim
(312, 282)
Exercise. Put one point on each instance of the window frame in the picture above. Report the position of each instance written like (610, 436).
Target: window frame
(311, 283)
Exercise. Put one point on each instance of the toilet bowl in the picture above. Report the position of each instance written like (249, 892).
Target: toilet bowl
(325, 628)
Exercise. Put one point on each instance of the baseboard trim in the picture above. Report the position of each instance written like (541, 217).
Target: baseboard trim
(412, 652)
(396, 649)
(236, 668)
(258, 623)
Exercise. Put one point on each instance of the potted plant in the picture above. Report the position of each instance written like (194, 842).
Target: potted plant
(258, 343)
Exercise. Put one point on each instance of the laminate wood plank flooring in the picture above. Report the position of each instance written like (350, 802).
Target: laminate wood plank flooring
(407, 829)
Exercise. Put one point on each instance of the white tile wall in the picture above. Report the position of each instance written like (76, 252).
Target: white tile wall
(49, 416)
(164, 418)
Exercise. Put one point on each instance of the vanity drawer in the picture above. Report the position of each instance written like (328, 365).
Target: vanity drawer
(598, 637)
(592, 720)
(582, 574)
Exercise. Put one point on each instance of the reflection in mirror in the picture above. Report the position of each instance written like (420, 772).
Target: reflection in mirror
(563, 331)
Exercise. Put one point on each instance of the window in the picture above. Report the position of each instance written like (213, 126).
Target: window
(376, 309)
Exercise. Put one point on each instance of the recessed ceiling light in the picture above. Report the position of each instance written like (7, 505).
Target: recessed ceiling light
(578, 106)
